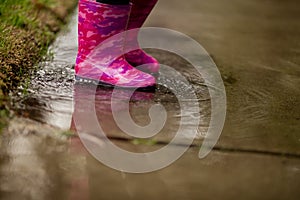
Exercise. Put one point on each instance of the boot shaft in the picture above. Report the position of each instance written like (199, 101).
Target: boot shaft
(98, 22)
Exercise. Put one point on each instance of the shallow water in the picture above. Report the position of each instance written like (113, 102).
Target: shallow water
(256, 47)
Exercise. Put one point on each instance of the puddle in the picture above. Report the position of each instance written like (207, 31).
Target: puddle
(52, 96)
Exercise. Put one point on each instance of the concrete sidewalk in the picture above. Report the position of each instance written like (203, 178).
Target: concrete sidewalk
(256, 46)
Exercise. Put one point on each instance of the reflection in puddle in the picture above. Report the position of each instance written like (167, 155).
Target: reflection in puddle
(85, 95)
(99, 103)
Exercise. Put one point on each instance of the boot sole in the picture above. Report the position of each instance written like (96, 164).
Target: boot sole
(83, 80)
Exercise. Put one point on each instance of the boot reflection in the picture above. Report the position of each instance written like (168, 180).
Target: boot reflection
(90, 101)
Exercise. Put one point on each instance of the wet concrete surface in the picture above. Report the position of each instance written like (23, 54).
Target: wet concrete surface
(57, 168)
(256, 47)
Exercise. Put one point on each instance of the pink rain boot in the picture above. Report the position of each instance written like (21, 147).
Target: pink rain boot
(96, 23)
(138, 15)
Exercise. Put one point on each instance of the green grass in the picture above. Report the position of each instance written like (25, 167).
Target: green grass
(19, 13)
(12, 12)
(4, 113)
(148, 142)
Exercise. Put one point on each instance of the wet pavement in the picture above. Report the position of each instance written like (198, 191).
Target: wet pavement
(256, 48)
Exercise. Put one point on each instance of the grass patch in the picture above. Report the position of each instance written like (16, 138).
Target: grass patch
(27, 28)
(148, 142)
